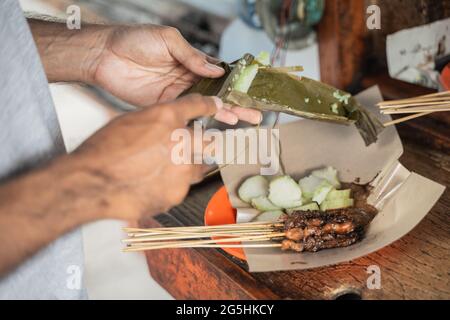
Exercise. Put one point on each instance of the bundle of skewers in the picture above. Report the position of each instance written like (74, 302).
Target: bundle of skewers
(416, 107)
(319, 217)
(299, 231)
(219, 236)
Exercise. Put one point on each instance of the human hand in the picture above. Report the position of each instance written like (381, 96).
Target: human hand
(131, 157)
(142, 65)
(150, 64)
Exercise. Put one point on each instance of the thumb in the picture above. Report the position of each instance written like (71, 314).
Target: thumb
(192, 59)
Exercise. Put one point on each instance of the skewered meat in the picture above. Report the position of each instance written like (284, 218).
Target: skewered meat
(316, 230)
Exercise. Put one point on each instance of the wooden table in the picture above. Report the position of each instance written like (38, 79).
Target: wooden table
(414, 267)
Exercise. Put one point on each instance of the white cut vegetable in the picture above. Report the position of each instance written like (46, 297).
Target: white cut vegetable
(329, 174)
(263, 204)
(293, 204)
(269, 216)
(263, 57)
(321, 192)
(245, 79)
(253, 187)
(336, 204)
(338, 194)
(308, 185)
(284, 192)
(307, 207)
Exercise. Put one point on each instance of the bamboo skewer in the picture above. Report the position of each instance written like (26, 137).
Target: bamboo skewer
(419, 98)
(261, 237)
(180, 244)
(418, 109)
(190, 236)
(217, 230)
(262, 245)
(198, 234)
(196, 231)
(183, 237)
(412, 104)
(186, 244)
(175, 244)
(199, 228)
(213, 233)
(235, 226)
(390, 123)
(221, 240)
(418, 106)
(286, 69)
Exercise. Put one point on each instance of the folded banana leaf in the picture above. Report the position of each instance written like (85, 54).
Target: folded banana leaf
(275, 89)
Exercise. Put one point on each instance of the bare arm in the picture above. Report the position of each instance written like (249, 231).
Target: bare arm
(69, 55)
(142, 65)
(38, 207)
(122, 171)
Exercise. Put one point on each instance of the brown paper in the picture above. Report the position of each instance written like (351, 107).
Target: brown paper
(403, 198)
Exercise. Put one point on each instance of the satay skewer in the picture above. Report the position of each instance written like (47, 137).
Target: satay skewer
(262, 245)
(200, 228)
(149, 239)
(417, 106)
(413, 116)
(177, 244)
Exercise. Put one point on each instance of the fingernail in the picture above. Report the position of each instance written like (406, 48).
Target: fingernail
(218, 102)
(213, 67)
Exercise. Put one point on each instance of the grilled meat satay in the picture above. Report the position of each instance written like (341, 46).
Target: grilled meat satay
(315, 230)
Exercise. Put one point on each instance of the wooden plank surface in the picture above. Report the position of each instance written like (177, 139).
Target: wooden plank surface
(341, 34)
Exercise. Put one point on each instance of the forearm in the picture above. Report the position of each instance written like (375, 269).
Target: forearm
(40, 206)
(69, 55)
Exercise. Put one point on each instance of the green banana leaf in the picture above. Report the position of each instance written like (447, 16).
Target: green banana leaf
(274, 89)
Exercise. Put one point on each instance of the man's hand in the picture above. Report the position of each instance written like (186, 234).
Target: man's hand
(133, 156)
(142, 65)
(122, 171)
(148, 64)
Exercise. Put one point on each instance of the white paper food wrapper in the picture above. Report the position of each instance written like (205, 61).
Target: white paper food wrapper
(402, 197)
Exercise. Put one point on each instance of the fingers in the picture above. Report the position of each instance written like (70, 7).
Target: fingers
(246, 114)
(194, 106)
(193, 59)
(232, 114)
(226, 116)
